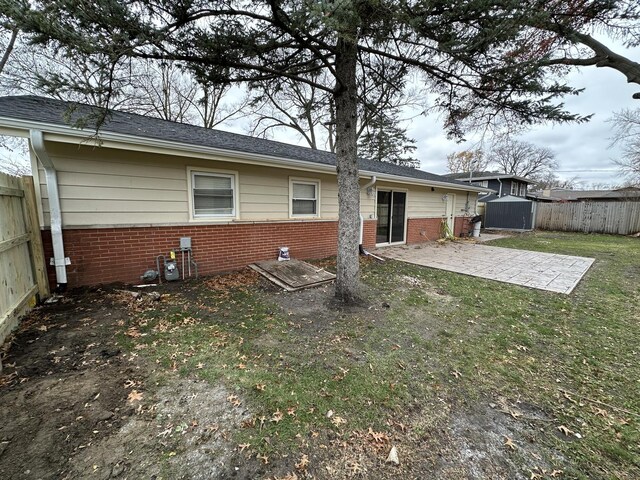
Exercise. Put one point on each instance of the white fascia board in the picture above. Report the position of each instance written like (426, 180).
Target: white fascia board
(428, 183)
(58, 133)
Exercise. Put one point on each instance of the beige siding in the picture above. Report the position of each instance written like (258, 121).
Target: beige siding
(117, 187)
(105, 186)
(422, 202)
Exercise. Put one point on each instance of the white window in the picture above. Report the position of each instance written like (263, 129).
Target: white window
(213, 194)
(304, 197)
(483, 183)
(523, 189)
(514, 188)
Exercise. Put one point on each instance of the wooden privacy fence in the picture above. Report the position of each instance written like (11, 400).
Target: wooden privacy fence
(619, 217)
(23, 275)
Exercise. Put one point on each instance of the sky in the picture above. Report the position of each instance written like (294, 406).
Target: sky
(582, 150)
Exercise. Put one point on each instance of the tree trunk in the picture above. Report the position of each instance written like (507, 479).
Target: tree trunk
(345, 96)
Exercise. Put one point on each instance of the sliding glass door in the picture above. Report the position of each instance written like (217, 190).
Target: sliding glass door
(391, 209)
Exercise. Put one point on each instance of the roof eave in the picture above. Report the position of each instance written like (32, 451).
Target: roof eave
(18, 127)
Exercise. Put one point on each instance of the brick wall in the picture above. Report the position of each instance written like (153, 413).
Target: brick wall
(462, 226)
(108, 255)
(421, 230)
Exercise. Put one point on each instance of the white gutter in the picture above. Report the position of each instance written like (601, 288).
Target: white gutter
(236, 155)
(373, 181)
(37, 143)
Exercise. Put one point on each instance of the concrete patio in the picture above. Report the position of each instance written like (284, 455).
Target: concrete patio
(544, 271)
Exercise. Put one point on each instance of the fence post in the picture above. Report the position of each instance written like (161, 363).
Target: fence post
(35, 238)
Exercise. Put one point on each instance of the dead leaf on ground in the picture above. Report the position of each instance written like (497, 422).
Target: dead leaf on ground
(302, 465)
(565, 430)
(277, 416)
(508, 442)
(337, 421)
(134, 396)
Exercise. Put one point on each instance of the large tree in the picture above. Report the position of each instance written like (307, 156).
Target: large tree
(626, 124)
(485, 60)
(467, 161)
(524, 159)
(309, 112)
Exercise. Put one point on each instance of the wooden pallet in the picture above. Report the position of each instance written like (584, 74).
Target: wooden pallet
(293, 275)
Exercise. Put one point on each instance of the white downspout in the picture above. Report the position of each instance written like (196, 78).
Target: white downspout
(55, 213)
(500, 191)
(373, 181)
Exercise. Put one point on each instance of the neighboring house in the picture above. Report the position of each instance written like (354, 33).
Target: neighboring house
(565, 195)
(502, 184)
(507, 208)
(107, 211)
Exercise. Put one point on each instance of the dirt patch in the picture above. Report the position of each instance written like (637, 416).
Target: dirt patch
(75, 404)
(81, 397)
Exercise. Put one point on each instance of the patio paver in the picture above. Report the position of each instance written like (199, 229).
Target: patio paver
(544, 271)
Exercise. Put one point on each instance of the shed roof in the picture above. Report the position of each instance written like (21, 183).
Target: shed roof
(479, 176)
(47, 111)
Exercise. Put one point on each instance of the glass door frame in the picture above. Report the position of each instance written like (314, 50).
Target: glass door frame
(406, 203)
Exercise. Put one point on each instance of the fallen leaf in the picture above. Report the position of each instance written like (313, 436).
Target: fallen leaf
(508, 442)
(556, 473)
(303, 463)
(264, 458)
(260, 387)
(200, 366)
(337, 421)
(378, 437)
(291, 411)
(277, 416)
(243, 446)
(565, 430)
(134, 396)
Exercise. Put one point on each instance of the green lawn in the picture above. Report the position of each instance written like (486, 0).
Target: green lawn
(432, 347)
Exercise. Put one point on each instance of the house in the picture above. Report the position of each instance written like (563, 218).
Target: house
(507, 207)
(565, 195)
(502, 184)
(110, 202)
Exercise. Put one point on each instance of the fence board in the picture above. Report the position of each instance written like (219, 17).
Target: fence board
(617, 217)
(22, 268)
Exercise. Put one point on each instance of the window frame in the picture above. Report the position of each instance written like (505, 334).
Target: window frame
(523, 189)
(514, 186)
(233, 175)
(304, 181)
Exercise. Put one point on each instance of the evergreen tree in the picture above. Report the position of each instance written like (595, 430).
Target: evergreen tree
(484, 60)
(385, 141)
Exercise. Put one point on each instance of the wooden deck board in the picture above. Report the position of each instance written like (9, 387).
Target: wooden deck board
(293, 274)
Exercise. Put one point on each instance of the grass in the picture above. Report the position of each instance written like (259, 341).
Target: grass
(444, 337)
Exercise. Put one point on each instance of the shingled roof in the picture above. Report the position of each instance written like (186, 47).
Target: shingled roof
(41, 110)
